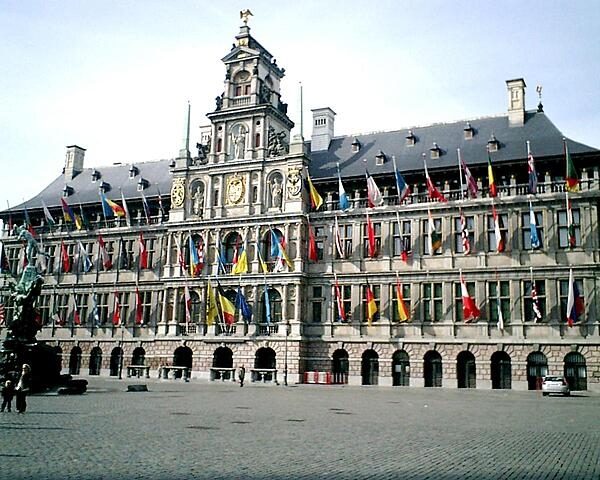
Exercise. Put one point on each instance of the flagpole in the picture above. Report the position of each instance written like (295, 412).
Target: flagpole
(460, 175)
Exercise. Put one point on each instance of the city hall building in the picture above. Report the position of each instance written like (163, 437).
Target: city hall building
(333, 259)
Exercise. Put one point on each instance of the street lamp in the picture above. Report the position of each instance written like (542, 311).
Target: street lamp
(121, 353)
(285, 358)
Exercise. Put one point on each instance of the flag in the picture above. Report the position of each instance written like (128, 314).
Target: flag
(500, 322)
(28, 223)
(575, 307)
(68, 213)
(339, 301)
(403, 314)
(212, 311)
(103, 254)
(55, 316)
(471, 182)
(278, 249)
(180, 257)
(241, 304)
(267, 305)
(572, 179)
(220, 258)
(571, 237)
(435, 238)
(81, 220)
(139, 307)
(47, 214)
(535, 302)
(371, 237)
(2, 313)
(83, 255)
(95, 312)
(315, 199)
(236, 251)
(343, 200)
(241, 266)
(371, 305)
(531, 173)
(146, 208)
(374, 197)
(338, 239)
(76, 317)
(143, 254)
(401, 186)
(491, 182)
(160, 205)
(432, 191)
(188, 304)
(125, 210)
(227, 308)
(65, 260)
(261, 262)
(194, 259)
(117, 309)
(497, 230)
(470, 310)
(312, 245)
(123, 256)
(535, 239)
(464, 234)
(40, 260)
(111, 208)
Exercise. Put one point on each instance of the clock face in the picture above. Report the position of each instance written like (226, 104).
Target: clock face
(235, 189)
(177, 195)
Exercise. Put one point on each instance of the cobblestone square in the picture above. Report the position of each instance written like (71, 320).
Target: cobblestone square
(219, 430)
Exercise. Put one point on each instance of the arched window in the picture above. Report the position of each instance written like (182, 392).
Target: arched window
(116, 361)
(501, 370)
(432, 369)
(138, 357)
(271, 306)
(370, 367)
(232, 246)
(465, 370)
(241, 83)
(95, 361)
(265, 359)
(195, 308)
(197, 243)
(400, 369)
(576, 371)
(537, 367)
(75, 361)
(340, 366)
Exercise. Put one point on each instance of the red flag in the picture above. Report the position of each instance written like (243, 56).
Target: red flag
(371, 236)
(139, 308)
(497, 232)
(117, 310)
(106, 261)
(76, 317)
(312, 245)
(433, 192)
(143, 253)
(470, 310)
(66, 261)
(339, 301)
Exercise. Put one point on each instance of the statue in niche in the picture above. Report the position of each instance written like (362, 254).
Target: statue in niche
(238, 139)
(276, 191)
(197, 198)
(276, 143)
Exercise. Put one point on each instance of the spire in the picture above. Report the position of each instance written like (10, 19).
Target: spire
(185, 148)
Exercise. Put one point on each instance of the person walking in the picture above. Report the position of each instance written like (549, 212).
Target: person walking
(242, 375)
(22, 388)
(8, 392)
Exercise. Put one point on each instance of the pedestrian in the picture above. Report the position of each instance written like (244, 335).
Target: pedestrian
(241, 375)
(22, 388)
(8, 392)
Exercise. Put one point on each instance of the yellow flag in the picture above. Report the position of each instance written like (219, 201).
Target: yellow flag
(212, 311)
(242, 264)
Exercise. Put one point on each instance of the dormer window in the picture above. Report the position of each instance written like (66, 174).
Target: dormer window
(493, 144)
(355, 145)
(469, 131)
(104, 187)
(142, 184)
(435, 151)
(411, 139)
(380, 158)
(133, 171)
(68, 191)
(172, 163)
(96, 176)
(241, 82)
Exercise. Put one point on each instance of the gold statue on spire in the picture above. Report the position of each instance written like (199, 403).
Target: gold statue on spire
(245, 14)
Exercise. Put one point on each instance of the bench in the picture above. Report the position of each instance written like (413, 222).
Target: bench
(138, 371)
(169, 371)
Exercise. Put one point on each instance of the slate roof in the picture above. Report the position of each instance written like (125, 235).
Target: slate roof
(545, 140)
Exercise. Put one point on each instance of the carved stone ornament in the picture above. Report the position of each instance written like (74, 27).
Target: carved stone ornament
(236, 188)
(178, 192)
(294, 182)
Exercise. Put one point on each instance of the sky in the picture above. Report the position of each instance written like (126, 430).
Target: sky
(115, 76)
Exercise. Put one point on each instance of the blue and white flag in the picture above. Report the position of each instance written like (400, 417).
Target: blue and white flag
(241, 304)
(344, 203)
(535, 239)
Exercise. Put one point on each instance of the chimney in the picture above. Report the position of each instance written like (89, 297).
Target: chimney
(74, 161)
(516, 102)
(323, 121)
